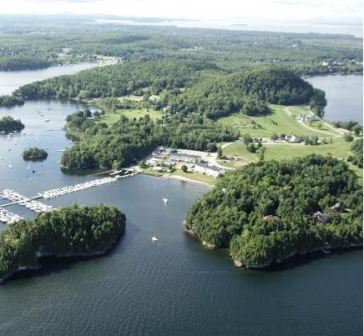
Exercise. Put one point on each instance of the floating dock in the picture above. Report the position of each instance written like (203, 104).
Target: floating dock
(53, 193)
(38, 207)
(9, 217)
(30, 203)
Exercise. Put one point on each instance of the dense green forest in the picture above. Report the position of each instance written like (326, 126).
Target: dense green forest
(34, 154)
(128, 141)
(72, 231)
(189, 94)
(120, 80)
(269, 211)
(247, 93)
(29, 42)
(184, 87)
(9, 125)
(9, 101)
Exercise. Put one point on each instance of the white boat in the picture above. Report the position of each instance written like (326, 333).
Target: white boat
(165, 200)
(154, 239)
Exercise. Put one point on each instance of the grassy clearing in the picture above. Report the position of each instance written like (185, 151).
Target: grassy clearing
(239, 149)
(111, 117)
(280, 121)
(339, 148)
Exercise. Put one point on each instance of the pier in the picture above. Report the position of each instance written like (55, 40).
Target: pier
(30, 203)
(53, 193)
(38, 207)
(9, 217)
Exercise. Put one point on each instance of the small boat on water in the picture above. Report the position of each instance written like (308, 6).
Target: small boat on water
(154, 239)
(165, 200)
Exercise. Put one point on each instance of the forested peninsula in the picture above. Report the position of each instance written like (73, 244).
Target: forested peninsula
(271, 211)
(75, 231)
(191, 95)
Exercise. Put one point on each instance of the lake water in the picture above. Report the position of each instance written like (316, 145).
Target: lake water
(344, 94)
(174, 287)
(12, 80)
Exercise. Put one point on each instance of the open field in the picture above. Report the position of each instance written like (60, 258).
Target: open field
(280, 121)
(111, 117)
(339, 149)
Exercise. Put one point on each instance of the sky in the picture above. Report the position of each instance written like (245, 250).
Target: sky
(305, 11)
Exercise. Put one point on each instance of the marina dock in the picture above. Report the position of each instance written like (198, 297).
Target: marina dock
(30, 203)
(53, 193)
(34, 205)
(9, 217)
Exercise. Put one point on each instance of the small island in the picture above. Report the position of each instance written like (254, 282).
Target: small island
(10, 125)
(75, 231)
(271, 211)
(34, 154)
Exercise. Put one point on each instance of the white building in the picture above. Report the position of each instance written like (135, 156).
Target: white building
(208, 170)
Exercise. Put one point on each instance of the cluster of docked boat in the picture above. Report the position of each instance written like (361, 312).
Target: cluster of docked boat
(29, 203)
(9, 217)
(78, 187)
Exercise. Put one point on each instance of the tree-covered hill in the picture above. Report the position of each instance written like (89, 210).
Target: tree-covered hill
(269, 211)
(72, 231)
(246, 92)
(120, 80)
(185, 86)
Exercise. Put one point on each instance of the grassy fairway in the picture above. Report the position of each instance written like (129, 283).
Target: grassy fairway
(111, 117)
(339, 148)
(281, 121)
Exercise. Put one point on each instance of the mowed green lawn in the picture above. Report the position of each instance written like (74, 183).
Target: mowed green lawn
(280, 121)
(111, 117)
(339, 149)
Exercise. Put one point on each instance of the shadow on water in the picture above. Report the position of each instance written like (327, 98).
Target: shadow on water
(53, 265)
(300, 260)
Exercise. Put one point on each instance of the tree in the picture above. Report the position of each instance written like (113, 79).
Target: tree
(348, 137)
(219, 152)
(184, 168)
(261, 153)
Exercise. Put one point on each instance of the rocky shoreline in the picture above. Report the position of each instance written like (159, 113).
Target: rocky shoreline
(73, 256)
(320, 251)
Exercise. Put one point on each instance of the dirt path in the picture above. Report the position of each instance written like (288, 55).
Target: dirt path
(337, 133)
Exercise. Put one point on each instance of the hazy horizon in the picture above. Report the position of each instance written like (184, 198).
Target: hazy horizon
(328, 16)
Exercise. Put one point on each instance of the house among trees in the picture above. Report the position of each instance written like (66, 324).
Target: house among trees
(338, 207)
(320, 217)
(293, 139)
